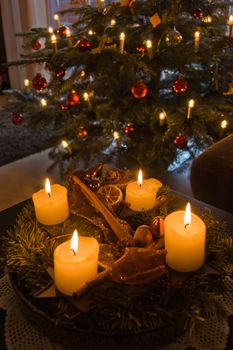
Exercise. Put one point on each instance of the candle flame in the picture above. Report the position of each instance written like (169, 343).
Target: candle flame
(56, 17)
(26, 82)
(68, 33)
(187, 216)
(231, 19)
(122, 36)
(191, 103)
(116, 135)
(140, 180)
(53, 39)
(197, 35)
(113, 22)
(162, 116)
(50, 30)
(85, 96)
(149, 44)
(74, 242)
(48, 187)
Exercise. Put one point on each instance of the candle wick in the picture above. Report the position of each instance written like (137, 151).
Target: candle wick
(140, 185)
(186, 225)
(49, 195)
(73, 251)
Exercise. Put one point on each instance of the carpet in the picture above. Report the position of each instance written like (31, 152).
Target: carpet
(19, 141)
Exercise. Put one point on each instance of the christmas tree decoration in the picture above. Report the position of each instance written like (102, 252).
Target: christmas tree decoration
(39, 83)
(26, 83)
(180, 86)
(149, 49)
(155, 20)
(60, 73)
(141, 49)
(17, 118)
(63, 107)
(197, 35)
(129, 129)
(143, 235)
(50, 30)
(162, 118)
(72, 98)
(207, 19)
(113, 22)
(173, 38)
(224, 124)
(84, 45)
(122, 43)
(180, 141)
(36, 45)
(68, 36)
(54, 42)
(56, 19)
(62, 31)
(230, 26)
(139, 90)
(191, 104)
(66, 146)
(82, 132)
(197, 13)
(43, 102)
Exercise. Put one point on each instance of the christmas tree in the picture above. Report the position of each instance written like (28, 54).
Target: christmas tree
(135, 81)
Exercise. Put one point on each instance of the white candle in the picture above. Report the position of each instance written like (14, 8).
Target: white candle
(54, 42)
(230, 24)
(68, 35)
(149, 49)
(122, 42)
(51, 204)
(56, 19)
(197, 40)
(191, 104)
(185, 235)
(141, 195)
(75, 262)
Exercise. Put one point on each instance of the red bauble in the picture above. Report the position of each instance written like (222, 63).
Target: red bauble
(60, 73)
(141, 49)
(64, 107)
(197, 13)
(84, 45)
(17, 118)
(82, 132)
(36, 45)
(72, 98)
(39, 83)
(62, 31)
(180, 86)
(129, 129)
(180, 141)
(139, 90)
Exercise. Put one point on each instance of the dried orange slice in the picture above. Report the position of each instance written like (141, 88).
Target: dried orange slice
(111, 194)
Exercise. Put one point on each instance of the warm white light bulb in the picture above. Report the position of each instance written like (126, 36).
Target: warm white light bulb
(113, 22)
(26, 82)
(64, 143)
(122, 36)
(68, 33)
(231, 19)
(50, 30)
(191, 103)
(187, 216)
(197, 34)
(74, 242)
(149, 44)
(116, 135)
(162, 116)
(85, 96)
(224, 124)
(43, 102)
(90, 32)
(56, 17)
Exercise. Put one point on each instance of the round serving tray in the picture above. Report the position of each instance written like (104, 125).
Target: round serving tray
(39, 311)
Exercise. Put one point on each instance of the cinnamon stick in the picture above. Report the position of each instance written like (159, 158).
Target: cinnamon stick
(119, 231)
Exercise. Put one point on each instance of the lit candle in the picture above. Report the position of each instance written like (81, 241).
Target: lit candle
(26, 83)
(141, 195)
(99, 5)
(122, 42)
(50, 30)
(51, 204)
(56, 19)
(54, 42)
(113, 22)
(197, 40)
(149, 49)
(75, 262)
(185, 235)
(230, 24)
(86, 98)
(191, 104)
(162, 118)
(68, 35)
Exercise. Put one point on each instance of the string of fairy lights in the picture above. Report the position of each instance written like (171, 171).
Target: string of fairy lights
(121, 47)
